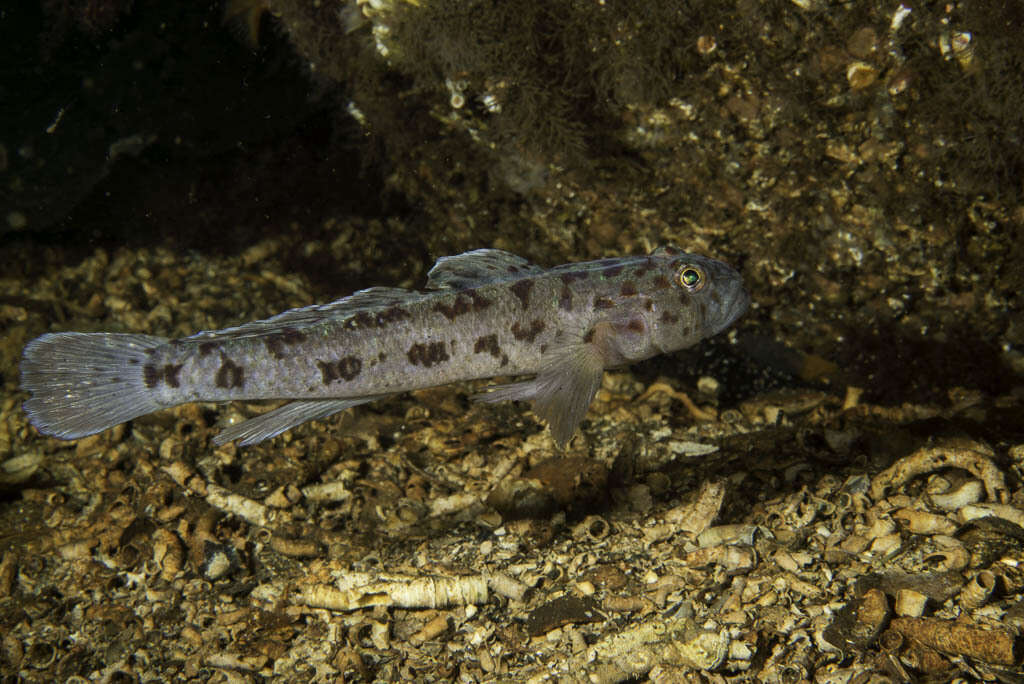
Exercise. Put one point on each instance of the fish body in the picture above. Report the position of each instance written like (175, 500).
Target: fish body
(484, 313)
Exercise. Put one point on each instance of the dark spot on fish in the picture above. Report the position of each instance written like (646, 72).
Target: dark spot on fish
(171, 374)
(589, 336)
(275, 345)
(642, 271)
(344, 369)
(628, 289)
(635, 325)
(230, 374)
(686, 300)
(512, 269)
(150, 351)
(565, 299)
(612, 271)
(543, 348)
(660, 283)
(603, 303)
(150, 376)
(668, 317)
(574, 275)
(206, 348)
(527, 334)
(388, 316)
(649, 305)
(489, 344)
(276, 341)
(427, 355)
(464, 302)
(327, 372)
(715, 298)
(521, 289)
(382, 357)
(115, 380)
(349, 367)
(133, 361)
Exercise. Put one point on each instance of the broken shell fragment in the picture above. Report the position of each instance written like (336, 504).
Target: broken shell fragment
(951, 556)
(978, 591)
(922, 522)
(958, 638)
(968, 493)
(910, 603)
(411, 592)
(973, 457)
(860, 75)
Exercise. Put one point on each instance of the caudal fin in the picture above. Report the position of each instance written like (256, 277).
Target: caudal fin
(84, 383)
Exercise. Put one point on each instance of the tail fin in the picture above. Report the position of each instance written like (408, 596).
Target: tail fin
(84, 383)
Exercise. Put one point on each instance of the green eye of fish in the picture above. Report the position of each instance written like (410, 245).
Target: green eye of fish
(691, 277)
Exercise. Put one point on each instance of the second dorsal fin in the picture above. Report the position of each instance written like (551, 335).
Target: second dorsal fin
(479, 267)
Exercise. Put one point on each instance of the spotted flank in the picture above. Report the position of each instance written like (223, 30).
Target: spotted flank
(482, 314)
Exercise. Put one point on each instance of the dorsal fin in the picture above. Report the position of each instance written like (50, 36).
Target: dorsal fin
(479, 267)
(374, 298)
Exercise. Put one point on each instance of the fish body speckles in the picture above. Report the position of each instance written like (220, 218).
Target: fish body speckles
(483, 313)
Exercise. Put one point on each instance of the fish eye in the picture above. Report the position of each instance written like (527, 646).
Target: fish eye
(691, 277)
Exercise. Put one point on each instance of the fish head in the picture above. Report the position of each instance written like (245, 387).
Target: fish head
(704, 297)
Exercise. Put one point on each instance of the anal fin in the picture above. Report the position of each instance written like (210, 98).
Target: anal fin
(561, 392)
(273, 423)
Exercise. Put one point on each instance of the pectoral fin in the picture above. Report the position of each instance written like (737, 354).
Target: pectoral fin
(562, 391)
(273, 423)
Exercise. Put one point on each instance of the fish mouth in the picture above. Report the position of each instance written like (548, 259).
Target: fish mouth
(734, 304)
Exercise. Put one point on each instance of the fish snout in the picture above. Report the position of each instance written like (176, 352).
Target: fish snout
(734, 302)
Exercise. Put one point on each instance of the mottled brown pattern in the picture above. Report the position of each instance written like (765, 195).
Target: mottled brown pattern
(603, 303)
(171, 371)
(565, 298)
(292, 336)
(660, 282)
(668, 317)
(521, 289)
(152, 376)
(489, 344)
(527, 334)
(327, 372)
(230, 374)
(635, 325)
(349, 367)
(275, 345)
(649, 305)
(276, 342)
(380, 319)
(427, 355)
(628, 289)
(464, 303)
(343, 369)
